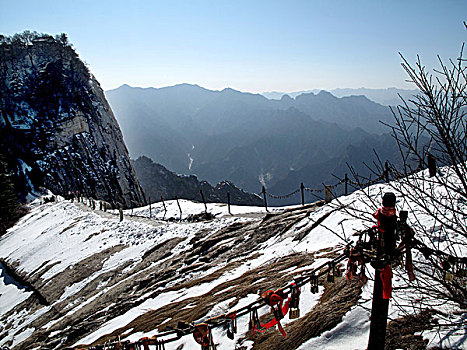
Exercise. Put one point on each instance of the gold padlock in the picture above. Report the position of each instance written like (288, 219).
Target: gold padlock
(448, 276)
(294, 313)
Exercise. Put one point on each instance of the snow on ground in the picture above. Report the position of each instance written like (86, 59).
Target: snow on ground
(64, 233)
(188, 207)
(11, 293)
(351, 333)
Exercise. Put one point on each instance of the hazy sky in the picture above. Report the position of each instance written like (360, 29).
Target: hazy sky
(248, 45)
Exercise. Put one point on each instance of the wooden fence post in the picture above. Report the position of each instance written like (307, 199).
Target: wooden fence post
(264, 196)
(150, 211)
(228, 202)
(431, 165)
(302, 190)
(121, 214)
(204, 201)
(327, 193)
(386, 171)
(165, 209)
(179, 208)
(346, 184)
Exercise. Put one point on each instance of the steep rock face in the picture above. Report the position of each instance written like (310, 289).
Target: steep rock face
(56, 128)
(158, 181)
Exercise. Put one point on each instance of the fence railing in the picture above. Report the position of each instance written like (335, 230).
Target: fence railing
(327, 190)
(325, 193)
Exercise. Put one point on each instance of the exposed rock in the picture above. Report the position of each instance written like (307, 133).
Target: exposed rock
(56, 128)
(200, 217)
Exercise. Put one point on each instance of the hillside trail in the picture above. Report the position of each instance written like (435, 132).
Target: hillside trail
(111, 215)
(160, 222)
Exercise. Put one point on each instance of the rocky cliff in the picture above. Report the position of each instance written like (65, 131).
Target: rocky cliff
(57, 130)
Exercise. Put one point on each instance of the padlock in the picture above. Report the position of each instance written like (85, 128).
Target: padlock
(278, 314)
(461, 269)
(462, 272)
(448, 276)
(294, 313)
(331, 272)
(314, 284)
(251, 324)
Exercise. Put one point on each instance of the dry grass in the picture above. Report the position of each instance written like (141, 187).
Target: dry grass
(225, 248)
(400, 333)
(260, 279)
(335, 302)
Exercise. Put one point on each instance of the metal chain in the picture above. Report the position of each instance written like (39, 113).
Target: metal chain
(179, 333)
(284, 196)
(314, 190)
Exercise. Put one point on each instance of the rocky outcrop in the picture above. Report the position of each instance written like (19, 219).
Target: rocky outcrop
(158, 181)
(57, 130)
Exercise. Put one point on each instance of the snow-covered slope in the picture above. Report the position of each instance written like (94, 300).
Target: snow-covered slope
(92, 278)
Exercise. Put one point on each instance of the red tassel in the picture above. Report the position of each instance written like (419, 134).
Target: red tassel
(386, 277)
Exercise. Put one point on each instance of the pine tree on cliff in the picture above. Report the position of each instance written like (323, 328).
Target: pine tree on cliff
(10, 208)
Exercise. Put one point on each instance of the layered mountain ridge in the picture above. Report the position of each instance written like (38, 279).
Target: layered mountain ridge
(388, 97)
(250, 140)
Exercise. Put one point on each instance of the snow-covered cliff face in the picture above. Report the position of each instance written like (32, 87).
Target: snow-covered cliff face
(56, 128)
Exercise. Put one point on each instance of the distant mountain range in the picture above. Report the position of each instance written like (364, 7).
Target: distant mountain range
(249, 139)
(387, 97)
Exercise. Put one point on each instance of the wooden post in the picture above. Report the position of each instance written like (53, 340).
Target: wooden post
(386, 171)
(179, 208)
(346, 184)
(165, 209)
(121, 214)
(228, 202)
(302, 190)
(204, 201)
(379, 307)
(150, 211)
(431, 165)
(327, 193)
(379, 315)
(263, 191)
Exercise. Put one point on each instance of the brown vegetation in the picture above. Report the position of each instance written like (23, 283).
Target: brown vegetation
(400, 333)
(335, 302)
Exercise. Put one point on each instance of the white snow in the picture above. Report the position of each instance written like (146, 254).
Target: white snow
(10, 293)
(62, 234)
